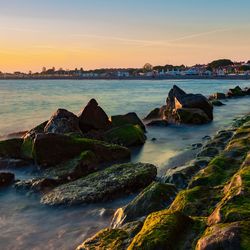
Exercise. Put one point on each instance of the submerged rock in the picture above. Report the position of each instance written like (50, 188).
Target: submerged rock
(6, 179)
(93, 117)
(107, 184)
(217, 96)
(217, 103)
(62, 122)
(158, 123)
(130, 118)
(126, 135)
(155, 197)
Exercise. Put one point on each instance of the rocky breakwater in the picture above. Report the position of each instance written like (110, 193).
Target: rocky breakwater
(210, 212)
(182, 108)
(79, 156)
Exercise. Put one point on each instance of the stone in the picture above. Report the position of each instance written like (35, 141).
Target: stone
(108, 184)
(155, 197)
(53, 149)
(158, 123)
(6, 179)
(156, 114)
(191, 116)
(218, 95)
(11, 148)
(129, 118)
(31, 134)
(93, 117)
(217, 103)
(126, 135)
(235, 92)
(208, 152)
(62, 122)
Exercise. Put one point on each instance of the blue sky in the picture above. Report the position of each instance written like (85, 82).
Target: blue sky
(98, 33)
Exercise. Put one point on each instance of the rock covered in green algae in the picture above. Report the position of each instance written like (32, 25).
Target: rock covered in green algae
(155, 197)
(107, 184)
(126, 135)
(115, 239)
(129, 118)
(229, 236)
(53, 149)
(161, 230)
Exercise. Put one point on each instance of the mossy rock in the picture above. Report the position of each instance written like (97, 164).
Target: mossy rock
(11, 148)
(162, 230)
(235, 204)
(155, 197)
(198, 201)
(127, 135)
(53, 149)
(110, 183)
(27, 148)
(228, 236)
(82, 165)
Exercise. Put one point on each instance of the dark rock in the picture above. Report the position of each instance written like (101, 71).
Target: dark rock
(158, 123)
(157, 113)
(8, 163)
(217, 103)
(153, 139)
(196, 146)
(11, 148)
(129, 118)
(235, 92)
(104, 185)
(222, 236)
(217, 96)
(208, 152)
(62, 122)
(155, 197)
(31, 134)
(6, 179)
(93, 117)
(191, 116)
(246, 91)
(206, 137)
(177, 99)
(126, 135)
(53, 149)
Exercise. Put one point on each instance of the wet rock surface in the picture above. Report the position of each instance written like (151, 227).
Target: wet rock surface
(6, 179)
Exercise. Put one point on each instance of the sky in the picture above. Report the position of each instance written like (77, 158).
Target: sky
(121, 33)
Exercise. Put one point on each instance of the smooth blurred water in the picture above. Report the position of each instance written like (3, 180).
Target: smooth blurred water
(24, 223)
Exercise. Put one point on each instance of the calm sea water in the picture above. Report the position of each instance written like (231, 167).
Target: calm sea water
(24, 223)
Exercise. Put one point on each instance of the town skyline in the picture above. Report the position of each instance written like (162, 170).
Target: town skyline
(115, 34)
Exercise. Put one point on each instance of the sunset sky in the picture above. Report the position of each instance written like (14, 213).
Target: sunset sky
(121, 33)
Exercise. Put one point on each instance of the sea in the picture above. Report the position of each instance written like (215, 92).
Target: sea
(24, 222)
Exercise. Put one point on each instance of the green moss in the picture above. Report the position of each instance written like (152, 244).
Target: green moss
(198, 201)
(27, 148)
(245, 232)
(161, 230)
(11, 148)
(114, 239)
(127, 135)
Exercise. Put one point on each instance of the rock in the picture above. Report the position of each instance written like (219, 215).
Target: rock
(191, 116)
(31, 134)
(235, 92)
(110, 183)
(158, 123)
(196, 146)
(221, 236)
(6, 179)
(53, 149)
(62, 122)
(157, 113)
(208, 152)
(246, 91)
(42, 185)
(93, 117)
(178, 99)
(130, 118)
(217, 103)
(155, 197)
(126, 135)
(162, 230)
(11, 148)
(218, 96)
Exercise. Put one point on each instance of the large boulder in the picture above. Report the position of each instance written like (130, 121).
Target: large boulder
(235, 92)
(53, 149)
(110, 183)
(62, 122)
(191, 116)
(129, 118)
(156, 114)
(177, 99)
(31, 134)
(126, 135)
(217, 96)
(93, 117)
(6, 179)
(11, 148)
(155, 197)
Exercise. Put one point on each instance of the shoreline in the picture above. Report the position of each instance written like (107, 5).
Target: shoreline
(227, 77)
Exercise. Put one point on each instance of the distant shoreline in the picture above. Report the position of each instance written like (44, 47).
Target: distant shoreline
(191, 77)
